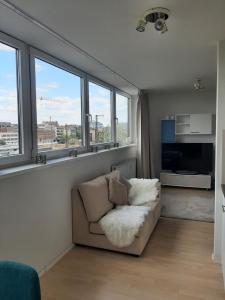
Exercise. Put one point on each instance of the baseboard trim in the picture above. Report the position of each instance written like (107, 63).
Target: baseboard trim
(54, 261)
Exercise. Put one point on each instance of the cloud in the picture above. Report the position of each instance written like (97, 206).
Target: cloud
(63, 116)
(7, 109)
(8, 106)
(47, 87)
(38, 67)
(52, 85)
(7, 96)
(58, 101)
(10, 76)
(4, 47)
(63, 109)
(100, 106)
(96, 100)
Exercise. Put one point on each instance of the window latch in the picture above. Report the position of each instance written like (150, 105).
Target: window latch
(94, 148)
(89, 117)
(223, 208)
(73, 153)
(40, 159)
(108, 146)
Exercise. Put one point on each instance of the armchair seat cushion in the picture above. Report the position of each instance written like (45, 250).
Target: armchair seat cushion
(95, 227)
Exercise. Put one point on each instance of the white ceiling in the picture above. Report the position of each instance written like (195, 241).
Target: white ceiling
(106, 30)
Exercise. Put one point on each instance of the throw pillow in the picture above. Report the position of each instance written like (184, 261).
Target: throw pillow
(95, 198)
(118, 192)
(124, 181)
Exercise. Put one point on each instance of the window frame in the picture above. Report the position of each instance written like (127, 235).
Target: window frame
(24, 105)
(51, 154)
(27, 111)
(109, 87)
(121, 93)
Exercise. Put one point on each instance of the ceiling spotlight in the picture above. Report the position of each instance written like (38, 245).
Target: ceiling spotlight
(160, 25)
(198, 84)
(158, 16)
(141, 25)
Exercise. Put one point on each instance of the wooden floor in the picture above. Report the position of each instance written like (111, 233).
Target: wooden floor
(176, 264)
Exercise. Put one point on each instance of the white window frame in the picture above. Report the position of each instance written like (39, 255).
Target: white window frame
(24, 107)
(119, 92)
(109, 87)
(51, 154)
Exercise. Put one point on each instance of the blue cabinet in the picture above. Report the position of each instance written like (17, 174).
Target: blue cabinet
(168, 131)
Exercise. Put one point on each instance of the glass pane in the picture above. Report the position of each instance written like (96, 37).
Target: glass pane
(58, 95)
(122, 114)
(99, 108)
(9, 125)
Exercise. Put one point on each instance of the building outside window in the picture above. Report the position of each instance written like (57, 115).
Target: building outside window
(122, 119)
(100, 112)
(58, 105)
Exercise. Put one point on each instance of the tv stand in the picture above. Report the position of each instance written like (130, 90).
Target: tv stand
(199, 181)
(186, 172)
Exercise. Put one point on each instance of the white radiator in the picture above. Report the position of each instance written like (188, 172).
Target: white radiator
(127, 168)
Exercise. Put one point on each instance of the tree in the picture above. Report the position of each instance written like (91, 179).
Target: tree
(2, 143)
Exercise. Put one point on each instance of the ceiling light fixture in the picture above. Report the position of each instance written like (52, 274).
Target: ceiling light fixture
(158, 16)
(141, 25)
(198, 84)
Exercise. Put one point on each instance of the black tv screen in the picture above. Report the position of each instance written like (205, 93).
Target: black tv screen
(192, 157)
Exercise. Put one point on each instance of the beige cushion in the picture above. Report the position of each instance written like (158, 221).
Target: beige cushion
(114, 174)
(126, 183)
(96, 228)
(118, 192)
(94, 194)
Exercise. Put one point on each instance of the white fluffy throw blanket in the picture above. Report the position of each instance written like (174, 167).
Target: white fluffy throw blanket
(121, 224)
(143, 191)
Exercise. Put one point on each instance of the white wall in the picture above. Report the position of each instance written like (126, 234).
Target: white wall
(171, 103)
(220, 126)
(35, 208)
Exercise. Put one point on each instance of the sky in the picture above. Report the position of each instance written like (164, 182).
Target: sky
(8, 85)
(58, 94)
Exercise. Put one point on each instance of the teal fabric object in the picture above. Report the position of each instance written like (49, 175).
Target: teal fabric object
(18, 282)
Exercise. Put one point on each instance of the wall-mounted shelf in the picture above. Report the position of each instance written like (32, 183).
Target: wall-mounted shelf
(193, 124)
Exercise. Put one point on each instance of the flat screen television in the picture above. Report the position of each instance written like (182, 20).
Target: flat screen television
(188, 157)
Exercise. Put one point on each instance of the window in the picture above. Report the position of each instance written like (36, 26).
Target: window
(122, 117)
(53, 121)
(100, 113)
(58, 106)
(9, 120)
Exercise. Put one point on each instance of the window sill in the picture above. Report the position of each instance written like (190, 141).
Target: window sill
(20, 170)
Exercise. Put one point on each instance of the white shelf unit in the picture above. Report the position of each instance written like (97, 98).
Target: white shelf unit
(199, 181)
(182, 124)
(192, 124)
